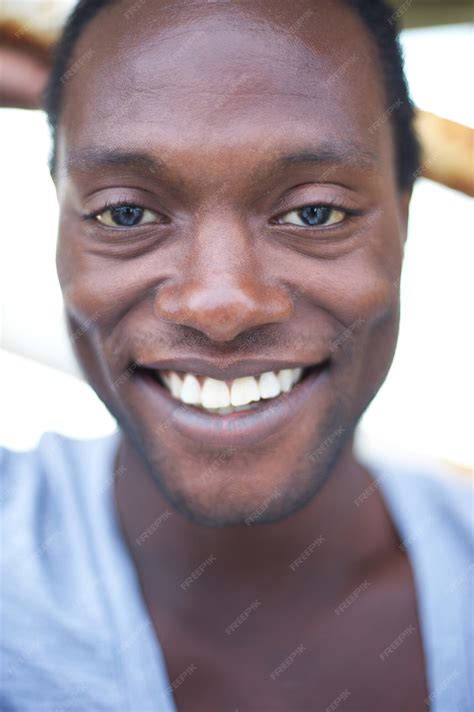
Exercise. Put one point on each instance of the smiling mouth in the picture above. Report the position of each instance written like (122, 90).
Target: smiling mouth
(231, 396)
(247, 405)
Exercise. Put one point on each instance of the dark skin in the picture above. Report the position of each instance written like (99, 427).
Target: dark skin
(212, 100)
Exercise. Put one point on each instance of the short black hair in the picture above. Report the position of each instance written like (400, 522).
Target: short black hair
(379, 18)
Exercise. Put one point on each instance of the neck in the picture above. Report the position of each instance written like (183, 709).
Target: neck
(339, 536)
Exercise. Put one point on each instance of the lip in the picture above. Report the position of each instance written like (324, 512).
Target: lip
(241, 429)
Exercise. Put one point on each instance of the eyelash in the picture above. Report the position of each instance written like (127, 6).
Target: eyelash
(109, 205)
(336, 205)
(349, 215)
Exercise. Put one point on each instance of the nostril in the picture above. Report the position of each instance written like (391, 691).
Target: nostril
(223, 309)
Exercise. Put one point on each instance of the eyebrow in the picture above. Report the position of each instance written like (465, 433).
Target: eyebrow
(95, 158)
(337, 153)
(343, 153)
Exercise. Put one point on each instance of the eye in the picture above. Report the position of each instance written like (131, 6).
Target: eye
(126, 216)
(313, 216)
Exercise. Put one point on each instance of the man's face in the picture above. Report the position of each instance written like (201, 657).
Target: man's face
(263, 230)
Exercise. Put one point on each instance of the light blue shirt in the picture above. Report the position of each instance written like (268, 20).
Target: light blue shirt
(76, 636)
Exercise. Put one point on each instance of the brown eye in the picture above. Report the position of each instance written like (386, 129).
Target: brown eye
(126, 216)
(313, 216)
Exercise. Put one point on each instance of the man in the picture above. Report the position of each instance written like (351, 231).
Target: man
(234, 181)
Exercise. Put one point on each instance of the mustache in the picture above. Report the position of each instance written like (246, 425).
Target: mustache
(269, 339)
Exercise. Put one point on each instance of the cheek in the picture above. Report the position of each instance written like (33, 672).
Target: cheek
(373, 313)
(352, 293)
(361, 288)
(359, 293)
(367, 305)
(364, 291)
(92, 302)
(94, 286)
(81, 279)
(107, 280)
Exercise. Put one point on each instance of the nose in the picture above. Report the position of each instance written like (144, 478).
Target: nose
(222, 290)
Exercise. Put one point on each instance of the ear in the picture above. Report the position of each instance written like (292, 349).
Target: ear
(404, 210)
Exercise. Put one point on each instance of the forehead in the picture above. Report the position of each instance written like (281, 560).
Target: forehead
(194, 77)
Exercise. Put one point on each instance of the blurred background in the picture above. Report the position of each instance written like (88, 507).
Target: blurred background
(425, 406)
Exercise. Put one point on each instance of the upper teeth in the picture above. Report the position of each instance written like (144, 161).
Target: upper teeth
(215, 394)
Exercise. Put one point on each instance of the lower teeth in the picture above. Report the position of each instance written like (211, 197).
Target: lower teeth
(231, 408)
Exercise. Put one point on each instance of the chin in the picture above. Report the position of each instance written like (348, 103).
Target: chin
(239, 489)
